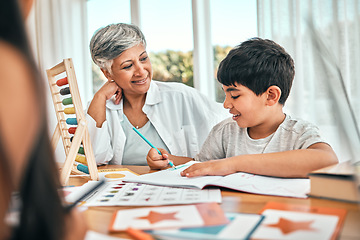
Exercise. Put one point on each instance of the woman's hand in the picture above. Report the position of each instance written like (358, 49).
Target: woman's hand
(75, 225)
(97, 108)
(220, 167)
(110, 89)
(157, 161)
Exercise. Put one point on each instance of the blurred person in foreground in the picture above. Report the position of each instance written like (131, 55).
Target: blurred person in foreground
(29, 182)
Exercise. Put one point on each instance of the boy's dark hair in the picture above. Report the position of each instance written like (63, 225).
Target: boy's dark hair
(258, 64)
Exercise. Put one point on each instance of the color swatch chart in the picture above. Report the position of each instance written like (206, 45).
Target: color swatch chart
(138, 194)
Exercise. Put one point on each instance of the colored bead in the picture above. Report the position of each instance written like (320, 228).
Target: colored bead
(69, 110)
(83, 168)
(65, 91)
(67, 101)
(71, 121)
(81, 150)
(72, 130)
(62, 81)
(81, 159)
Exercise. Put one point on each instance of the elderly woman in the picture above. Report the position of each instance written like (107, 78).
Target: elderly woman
(171, 116)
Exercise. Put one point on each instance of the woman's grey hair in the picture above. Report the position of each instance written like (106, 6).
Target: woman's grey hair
(109, 42)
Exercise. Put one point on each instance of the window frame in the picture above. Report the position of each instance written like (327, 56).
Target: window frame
(203, 67)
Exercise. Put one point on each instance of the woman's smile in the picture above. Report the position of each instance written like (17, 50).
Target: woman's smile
(140, 82)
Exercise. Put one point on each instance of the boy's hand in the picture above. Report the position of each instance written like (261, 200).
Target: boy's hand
(212, 168)
(157, 161)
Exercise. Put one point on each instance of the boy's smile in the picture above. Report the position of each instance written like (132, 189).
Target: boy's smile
(247, 108)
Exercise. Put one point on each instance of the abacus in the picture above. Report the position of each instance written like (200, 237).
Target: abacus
(72, 129)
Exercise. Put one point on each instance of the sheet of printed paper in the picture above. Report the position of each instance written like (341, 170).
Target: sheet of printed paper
(205, 214)
(118, 193)
(241, 226)
(300, 221)
(282, 224)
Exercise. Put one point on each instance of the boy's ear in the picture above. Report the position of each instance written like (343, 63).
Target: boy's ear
(273, 95)
(106, 73)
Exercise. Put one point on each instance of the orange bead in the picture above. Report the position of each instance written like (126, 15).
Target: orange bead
(62, 81)
(72, 130)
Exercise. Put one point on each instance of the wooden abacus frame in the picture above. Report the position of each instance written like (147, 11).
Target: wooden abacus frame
(81, 134)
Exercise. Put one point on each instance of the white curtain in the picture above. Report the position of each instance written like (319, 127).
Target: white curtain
(337, 23)
(58, 30)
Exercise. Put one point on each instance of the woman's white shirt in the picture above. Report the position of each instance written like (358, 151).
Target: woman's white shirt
(135, 148)
(181, 115)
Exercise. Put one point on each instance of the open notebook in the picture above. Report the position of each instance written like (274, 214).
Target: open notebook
(245, 182)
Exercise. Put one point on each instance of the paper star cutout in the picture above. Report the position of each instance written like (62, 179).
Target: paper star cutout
(287, 226)
(155, 217)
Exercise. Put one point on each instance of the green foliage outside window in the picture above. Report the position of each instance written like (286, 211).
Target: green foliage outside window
(172, 66)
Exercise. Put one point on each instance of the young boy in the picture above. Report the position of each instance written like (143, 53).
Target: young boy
(259, 138)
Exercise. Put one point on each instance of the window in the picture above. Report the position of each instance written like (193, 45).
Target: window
(101, 13)
(232, 22)
(167, 26)
(169, 30)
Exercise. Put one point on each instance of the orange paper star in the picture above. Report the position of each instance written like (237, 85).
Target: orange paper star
(155, 217)
(287, 226)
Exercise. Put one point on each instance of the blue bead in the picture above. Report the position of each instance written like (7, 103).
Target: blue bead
(71, 121)
(83, 168)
